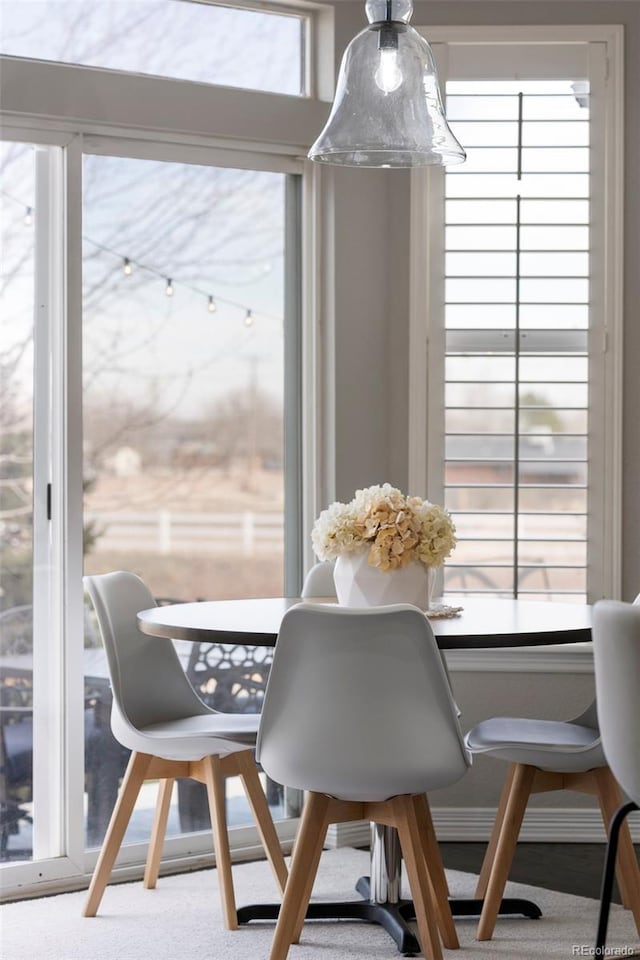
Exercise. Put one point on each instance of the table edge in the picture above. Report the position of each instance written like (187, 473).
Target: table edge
(539, 638)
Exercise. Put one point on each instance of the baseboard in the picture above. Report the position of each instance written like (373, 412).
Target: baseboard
(541, 825)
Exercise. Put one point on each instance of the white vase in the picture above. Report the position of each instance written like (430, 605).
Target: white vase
(360, 585)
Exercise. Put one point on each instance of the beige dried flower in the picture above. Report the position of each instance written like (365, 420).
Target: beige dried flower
(397, 529)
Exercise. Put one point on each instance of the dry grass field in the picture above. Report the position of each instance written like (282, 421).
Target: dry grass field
(194, 578)
(199, 574)
(197, 489)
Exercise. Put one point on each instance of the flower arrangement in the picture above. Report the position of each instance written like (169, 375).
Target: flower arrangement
(396, 528)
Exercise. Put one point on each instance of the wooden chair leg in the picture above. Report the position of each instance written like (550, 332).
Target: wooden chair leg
(304, 866)
(490, 853)
(423, 900)
(627, 869)
(320, 826)
(214, 781)
(262, 815)
(132, 781)
(158, 832)
(505, 848)
(435, 868)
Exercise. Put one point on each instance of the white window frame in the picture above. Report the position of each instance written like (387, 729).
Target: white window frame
(317, 25)
(53, 103)
(318, 20)
(604, 577)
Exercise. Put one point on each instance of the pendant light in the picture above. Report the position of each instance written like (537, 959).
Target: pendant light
(387, 110)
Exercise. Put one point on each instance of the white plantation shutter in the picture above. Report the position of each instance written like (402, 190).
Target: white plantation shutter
(515, 299)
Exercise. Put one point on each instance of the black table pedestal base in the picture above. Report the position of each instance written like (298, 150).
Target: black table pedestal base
(394, 917)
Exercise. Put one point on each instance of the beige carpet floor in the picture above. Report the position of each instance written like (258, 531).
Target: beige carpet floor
(180, 920)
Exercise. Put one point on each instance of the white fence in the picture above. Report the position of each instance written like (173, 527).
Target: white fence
(166, 532)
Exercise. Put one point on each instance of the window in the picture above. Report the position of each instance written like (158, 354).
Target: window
(183, 39)
(516, 319)
(516, 322)
(184, 375)
(167, 276)
(184, 333)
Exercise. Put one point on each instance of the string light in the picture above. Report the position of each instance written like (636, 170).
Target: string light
(128, 269)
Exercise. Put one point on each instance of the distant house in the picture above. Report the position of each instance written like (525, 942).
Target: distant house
(125, 462)
(543, 459)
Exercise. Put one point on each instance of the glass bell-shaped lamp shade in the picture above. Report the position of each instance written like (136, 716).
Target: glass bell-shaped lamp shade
(387, 110)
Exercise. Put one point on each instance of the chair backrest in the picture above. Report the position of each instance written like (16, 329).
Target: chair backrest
(616, 651)
(358, 705)
(589, 717)
(319, 580)
(147, 679)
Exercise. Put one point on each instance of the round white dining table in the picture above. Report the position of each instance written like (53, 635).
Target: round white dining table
(481, 624)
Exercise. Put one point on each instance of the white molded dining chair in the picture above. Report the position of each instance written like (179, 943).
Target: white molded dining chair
(319, 580)
(616, 651)
(546, 755)
(158, 716)
(368, 737)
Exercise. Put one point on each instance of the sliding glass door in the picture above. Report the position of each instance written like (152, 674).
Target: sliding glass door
(184, 388)
(31, 664)
(151, 402)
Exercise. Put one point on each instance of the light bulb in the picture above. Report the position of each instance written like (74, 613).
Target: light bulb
(28, 217)
(248, 320)
(212, 305)
(388, 76)
(169, 287)
(127, 269)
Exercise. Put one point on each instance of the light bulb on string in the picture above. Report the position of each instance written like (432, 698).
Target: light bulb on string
(130, 266)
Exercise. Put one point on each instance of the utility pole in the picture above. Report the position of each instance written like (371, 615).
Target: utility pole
(252, 426)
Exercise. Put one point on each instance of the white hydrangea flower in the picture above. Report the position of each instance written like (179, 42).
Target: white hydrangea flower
(396, 529)
(335, 532)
